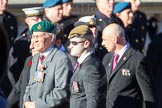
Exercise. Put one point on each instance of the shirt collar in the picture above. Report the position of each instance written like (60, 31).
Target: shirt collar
(47, 51)
(121, 52)
(83, 57)
(63, 49)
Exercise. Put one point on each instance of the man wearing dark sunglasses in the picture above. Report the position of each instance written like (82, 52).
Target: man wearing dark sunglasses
(87, 84)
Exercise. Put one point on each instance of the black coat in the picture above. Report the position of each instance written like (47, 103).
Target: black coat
(10, 24)
(136, 32)
(67, 24)
(130, 84)
(4, 51)
(88, 85)
(4, 46)
(18, 90)
(155, 59)
(102, 21)
(18, 54)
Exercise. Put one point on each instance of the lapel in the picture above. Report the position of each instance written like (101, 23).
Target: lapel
(109, 67)
(36, 60)
(121, 62)
(78, 70)
(33, 68)
(49, 57)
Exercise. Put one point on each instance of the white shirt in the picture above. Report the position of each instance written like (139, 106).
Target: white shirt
(121, 52)
(82, 58)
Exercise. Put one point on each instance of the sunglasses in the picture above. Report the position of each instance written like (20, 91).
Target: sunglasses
(76, 43)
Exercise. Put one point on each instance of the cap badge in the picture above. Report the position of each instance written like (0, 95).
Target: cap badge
(92, 22)
(39, 27)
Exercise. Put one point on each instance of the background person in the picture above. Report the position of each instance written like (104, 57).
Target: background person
(137, 30)
(53, 11)
(103, 16)
(128, 74)
(123, 11)
(87, 84)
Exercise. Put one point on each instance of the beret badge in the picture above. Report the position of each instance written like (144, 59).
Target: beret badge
(39, 27)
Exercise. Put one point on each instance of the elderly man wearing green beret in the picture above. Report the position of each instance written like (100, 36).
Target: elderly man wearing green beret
(88, 83)
(49, 74)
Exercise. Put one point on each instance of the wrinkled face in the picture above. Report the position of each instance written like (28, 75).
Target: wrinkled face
(77, 46)
(105, 6)
(67, 9)
(32, 49)
(54, 14)
(126, 16)
(3, 5)
(108, 41)
(42, 41)
(30, 21)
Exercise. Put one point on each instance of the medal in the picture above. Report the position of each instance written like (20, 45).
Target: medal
(40, 75)
(75, 86)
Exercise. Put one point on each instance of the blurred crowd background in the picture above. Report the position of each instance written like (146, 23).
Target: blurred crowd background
(152, 9)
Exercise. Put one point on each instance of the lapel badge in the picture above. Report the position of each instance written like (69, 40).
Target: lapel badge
(42, 68)
(39, 27)
(75, 86)
(124, 58)
(109, 64)
(126, 72)
(100, 20)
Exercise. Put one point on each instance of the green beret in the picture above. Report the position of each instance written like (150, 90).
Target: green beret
(44, 26)
(80, 31)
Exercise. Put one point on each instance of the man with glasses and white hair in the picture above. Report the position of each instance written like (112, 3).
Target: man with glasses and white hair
(49, 73)
(87, 84)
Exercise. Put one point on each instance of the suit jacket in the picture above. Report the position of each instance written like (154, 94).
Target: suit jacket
(53, 91)
(18, 91)
(129, 85)
(88, 85)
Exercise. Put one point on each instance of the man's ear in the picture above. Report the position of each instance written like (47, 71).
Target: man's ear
(87, 43)
(115, 39)
(53, 37)
(117, 14)
(58, 41)
(27, 21)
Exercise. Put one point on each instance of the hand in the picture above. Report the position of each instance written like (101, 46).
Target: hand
(29, 104)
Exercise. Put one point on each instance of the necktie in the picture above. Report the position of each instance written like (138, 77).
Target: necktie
(115, 60)
(77, 65)
(41, 58)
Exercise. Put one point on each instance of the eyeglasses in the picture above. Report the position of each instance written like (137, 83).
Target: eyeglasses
(36, 36)
(76, 43)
